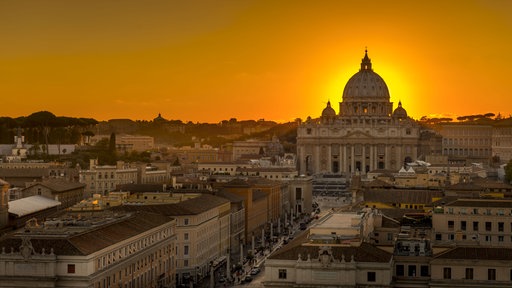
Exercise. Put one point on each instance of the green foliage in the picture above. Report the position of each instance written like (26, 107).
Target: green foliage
(112, 143)
(508, 172)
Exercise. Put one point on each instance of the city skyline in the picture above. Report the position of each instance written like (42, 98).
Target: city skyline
(249, 59)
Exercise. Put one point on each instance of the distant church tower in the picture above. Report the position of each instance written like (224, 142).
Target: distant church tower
(4, 206)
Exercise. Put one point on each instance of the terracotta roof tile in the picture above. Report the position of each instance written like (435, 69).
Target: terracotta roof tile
(192, 206)
(477, 253)
(92, 240)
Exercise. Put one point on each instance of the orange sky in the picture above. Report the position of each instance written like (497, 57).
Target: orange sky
(206, 61)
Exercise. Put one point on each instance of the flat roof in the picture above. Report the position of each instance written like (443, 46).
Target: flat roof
(339, 221)
(31, 204)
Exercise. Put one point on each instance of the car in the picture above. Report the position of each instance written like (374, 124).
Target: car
(247, 279)
(255, 271)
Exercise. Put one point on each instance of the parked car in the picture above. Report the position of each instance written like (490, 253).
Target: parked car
(255, 271)
(247, 279)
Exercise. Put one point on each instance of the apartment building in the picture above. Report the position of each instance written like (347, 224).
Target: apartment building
(202, 233)
(466, 143)
(98, 250)
(66, 192)
(255, 203)
(472, 267)
(100, 179)
(502, 142)
(332, 255)
(479, 222)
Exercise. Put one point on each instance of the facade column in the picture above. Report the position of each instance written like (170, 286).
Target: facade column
(387, 164)
(352, 160)
(372, 158)
(316, 159)
(363, 164)
(345, 164)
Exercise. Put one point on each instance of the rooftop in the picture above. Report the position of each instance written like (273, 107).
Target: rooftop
(32, 204)
(477, 253)
(364, 253)
(93, 239)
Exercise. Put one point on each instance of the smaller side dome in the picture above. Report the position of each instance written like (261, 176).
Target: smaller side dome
(328, 111)
(400, 112)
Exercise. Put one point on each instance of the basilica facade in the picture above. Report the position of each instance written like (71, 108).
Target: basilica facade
(366, 134)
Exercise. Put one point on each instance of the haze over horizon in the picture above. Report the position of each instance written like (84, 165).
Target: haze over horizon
(208, 61)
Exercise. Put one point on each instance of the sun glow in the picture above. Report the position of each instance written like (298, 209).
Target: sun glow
(276, 60)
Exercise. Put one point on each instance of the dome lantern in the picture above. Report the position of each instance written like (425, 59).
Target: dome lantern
(366, 63)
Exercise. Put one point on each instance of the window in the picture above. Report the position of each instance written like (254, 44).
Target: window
(450, 224)
(501, 226)
(185, 236)
(185, 250)
(298, 193)
(400, 270)
(488, 226)
(185, 263)
(411, 271)
(390, 236)
(501, 238)
(71, 268)
(185, 221)
(438, 237)
(475, 226)
(447, 273)
(282, 273)
(469, 273)
(463, 225)
(491, 274)
(424, 271)
(371, 277)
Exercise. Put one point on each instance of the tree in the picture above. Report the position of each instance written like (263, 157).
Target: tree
(508, 171)
(41, 121)
(112, 143)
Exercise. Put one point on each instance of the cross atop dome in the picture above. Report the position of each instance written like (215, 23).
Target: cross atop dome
(366, 63)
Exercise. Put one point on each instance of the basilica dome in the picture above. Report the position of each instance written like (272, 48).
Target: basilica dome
(328, 111)
(400, 112)
(366, 95)
(366, 84)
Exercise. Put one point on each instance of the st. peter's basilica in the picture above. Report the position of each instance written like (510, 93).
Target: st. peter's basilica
(365, 135)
